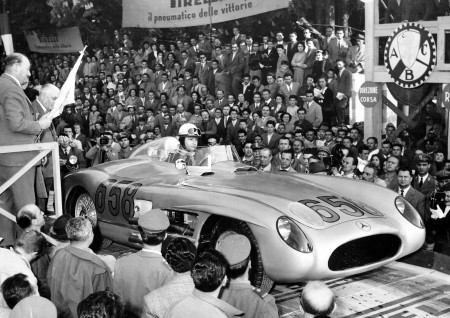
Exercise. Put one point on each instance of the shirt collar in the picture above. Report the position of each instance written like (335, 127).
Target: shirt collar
(404, 190)
(151, 251)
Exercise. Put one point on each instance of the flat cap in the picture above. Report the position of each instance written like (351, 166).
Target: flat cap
(123, 135)
(257, 146)
(324, 149)
(235, 247)
(443, 175)
(423, 157)
(154, 220)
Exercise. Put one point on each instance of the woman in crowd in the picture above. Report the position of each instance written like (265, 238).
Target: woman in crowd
(298, 62)
(195, 100)
(378, 161)
(132, 99)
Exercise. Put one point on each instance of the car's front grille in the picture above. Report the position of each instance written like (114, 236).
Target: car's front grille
(364, 251)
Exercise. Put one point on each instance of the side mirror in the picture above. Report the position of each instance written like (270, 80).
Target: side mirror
(180, 164)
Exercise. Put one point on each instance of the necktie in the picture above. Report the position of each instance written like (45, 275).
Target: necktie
(339, 45)
(65, 152)
(402, 193)
(421, 183)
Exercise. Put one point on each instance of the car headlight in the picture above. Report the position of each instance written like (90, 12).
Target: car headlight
(407, 210)
(293, 235)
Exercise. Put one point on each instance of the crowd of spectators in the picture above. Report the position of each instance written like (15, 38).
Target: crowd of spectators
(282, 105)
(67, 279)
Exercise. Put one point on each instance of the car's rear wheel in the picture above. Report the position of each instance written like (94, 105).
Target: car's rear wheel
(258, 276)
(83, 205)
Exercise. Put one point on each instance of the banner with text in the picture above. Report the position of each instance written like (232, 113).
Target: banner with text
(61, 41)
(187, 13)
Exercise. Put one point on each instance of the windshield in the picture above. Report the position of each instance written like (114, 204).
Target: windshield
(168, 149)
(204, 156)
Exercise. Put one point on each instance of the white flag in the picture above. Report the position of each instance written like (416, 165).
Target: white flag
(67, 93)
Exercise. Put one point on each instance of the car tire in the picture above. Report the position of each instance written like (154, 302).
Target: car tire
(258, 276)
(82, 204)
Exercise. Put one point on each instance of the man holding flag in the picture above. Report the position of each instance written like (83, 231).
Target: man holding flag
(17, 127)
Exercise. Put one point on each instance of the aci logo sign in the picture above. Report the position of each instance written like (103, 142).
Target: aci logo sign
(410, 55)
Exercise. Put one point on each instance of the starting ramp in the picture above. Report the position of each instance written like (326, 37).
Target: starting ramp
(397, 290)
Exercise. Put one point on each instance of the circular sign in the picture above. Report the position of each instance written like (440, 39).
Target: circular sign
(446, 96)
(410, 55)
(368, 94)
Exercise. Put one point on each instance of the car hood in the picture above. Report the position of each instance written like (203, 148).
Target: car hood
(298, 196)
(295, 195)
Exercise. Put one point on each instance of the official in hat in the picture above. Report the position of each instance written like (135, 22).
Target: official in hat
(422, 157)
(236, 249)
(240, 293)
(137, 274)
(154, 221)
(423, 181)
(257, 146)
(123, 135)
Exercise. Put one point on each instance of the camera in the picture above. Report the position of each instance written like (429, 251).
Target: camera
(104, 140)
(437, 199)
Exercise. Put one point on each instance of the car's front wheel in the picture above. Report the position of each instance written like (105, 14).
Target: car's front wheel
(83, 205)
(258, 276)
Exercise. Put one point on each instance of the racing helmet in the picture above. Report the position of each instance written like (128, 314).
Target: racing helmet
(189, 130)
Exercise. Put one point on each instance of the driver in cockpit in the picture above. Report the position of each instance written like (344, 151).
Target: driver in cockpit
(188, 137)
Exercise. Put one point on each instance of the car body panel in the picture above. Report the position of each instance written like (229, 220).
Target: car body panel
(328, 210)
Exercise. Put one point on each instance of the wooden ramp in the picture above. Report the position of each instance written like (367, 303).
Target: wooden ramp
(397, 290)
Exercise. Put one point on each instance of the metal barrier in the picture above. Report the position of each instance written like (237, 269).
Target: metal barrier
(44, 149)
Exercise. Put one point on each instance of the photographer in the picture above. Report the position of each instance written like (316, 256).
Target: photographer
(439, 220)
(70, 157)
(103, 150)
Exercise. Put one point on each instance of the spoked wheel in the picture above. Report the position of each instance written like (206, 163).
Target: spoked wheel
(84, 206)
(226, 227)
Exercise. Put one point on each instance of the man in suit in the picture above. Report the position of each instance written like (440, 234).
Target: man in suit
(237, 37)
(196, 85)
(356, 55)
(289, 87)
(82, 118)
(232, 127)
(292, 47)
(338, 46)
(235, 67)
(66, 151)
(17, 127)
(220, 100)
(182, 116)
(404, 189)
(270, 139)
(221, 130)
(272, 86)
(204, 46)
(181, 98)
(204, 72)
(165, 86)
(137, 274)
(343, 91)
(310, 56)
(398, 11)
(168, 129)
(313, 110)
(246, 88)
(423, 181)
(41, 105)
(187, 62)
(329, 34)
